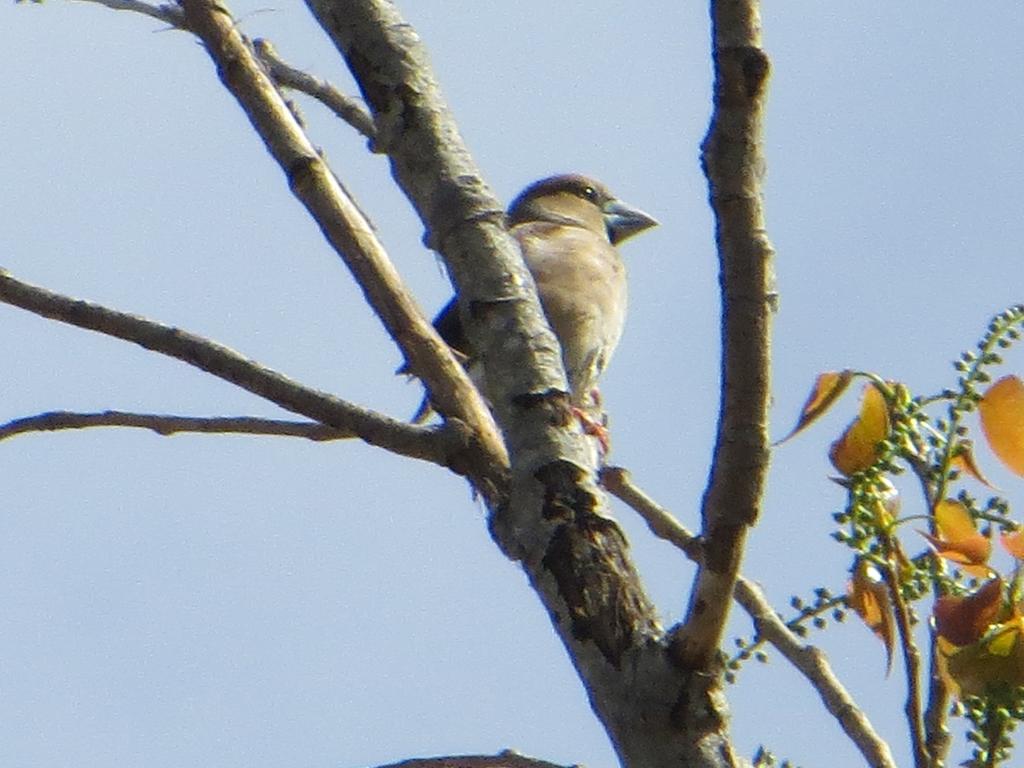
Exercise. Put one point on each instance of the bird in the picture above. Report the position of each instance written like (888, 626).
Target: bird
(568, 227)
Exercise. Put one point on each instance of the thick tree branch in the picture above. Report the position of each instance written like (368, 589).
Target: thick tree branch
(464, 222)
(733, 162)
(554, 522)
(347, 231)
(437, 446)
(811, 662)
(169, 424)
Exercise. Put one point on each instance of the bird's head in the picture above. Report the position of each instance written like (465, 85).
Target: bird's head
(579, 201)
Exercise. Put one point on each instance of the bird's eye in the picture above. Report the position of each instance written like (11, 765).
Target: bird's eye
(590, 193)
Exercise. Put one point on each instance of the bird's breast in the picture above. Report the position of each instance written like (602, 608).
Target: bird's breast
(581, 282)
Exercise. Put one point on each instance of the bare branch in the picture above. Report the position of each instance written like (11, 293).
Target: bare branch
(811, 662)
(348, 109)
(168, 424)
(663, 524)
(377, 429)
(168, 13)
(346, 229)
(733, 162)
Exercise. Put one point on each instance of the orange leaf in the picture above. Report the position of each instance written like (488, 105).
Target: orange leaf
(827, 389)
(1002, 421)
(1013, 543)
(964, 461)
(857, 448)
(959, 539)
(868, 595)
(963, 620)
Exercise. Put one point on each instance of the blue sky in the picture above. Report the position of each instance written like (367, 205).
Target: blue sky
(230, 601)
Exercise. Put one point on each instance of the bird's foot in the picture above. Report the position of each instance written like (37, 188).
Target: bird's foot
(594, 428)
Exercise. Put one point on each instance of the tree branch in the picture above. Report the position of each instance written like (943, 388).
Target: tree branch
(437, 446)
(554, 520)
(936, 715)
(811, 662)
(912, 667)
(465, 224)
(348, 232)
(733, 163)
(342, 105)
(168, 424)
(168, 13)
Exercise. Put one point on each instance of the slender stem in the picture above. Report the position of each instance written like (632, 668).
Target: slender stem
(993, 733)
(169, 424)
(912, 666)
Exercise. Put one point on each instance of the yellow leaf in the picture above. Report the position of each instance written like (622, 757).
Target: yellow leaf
(857, 448)
(1003, 640)
(826, 390)
(1002, 420)
(868, 596)
(1013, 543)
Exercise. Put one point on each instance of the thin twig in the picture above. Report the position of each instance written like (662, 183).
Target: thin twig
(663, 524)
(375, 428)
(348, 109)
(168, 13)
(937, 738)
(344, 106)
(169, 424)
(936, 714)
(912, 667)
(811, 662)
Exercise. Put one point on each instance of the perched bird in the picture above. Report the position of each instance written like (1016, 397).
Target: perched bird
(567, 227)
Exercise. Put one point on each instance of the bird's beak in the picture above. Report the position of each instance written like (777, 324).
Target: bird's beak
(624, 221)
